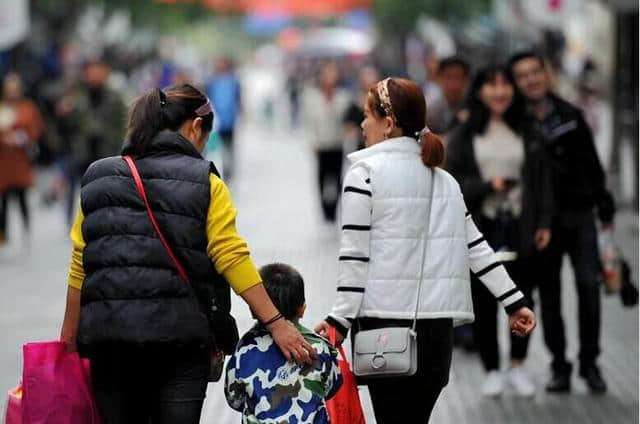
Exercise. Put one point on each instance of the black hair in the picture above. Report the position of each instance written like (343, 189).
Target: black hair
(478, 112)
(525, 54)
(158, 110)
(285, 287)
(451, 61)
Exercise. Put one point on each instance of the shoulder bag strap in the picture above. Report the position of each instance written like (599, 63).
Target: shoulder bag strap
(143, 195)
(424, 247)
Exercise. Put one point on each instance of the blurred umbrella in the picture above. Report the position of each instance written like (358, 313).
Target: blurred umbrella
(335, 42)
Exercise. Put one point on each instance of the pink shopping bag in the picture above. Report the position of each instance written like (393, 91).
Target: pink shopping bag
(14, 406)
(56, 386)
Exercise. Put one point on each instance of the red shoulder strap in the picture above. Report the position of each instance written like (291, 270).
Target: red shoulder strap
(143, 195)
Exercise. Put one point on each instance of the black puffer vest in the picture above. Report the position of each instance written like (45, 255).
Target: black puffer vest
(132, 292)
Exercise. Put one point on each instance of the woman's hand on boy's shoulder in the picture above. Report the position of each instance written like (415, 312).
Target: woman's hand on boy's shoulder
(291, 343)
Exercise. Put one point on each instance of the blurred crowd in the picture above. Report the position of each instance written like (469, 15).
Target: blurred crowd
(74, 112)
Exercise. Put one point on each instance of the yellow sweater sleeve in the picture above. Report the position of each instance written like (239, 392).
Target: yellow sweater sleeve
(228, 251)
(76, 269)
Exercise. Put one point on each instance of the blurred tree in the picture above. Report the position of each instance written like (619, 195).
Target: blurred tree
(64, 15)
(393, 15)
(397, 19)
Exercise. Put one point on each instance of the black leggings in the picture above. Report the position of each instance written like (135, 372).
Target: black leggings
(524, 271)
(485, 307)
(411, 399)
(151, 384)
(21, 194)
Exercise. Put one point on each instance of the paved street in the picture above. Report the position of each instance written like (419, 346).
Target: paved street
(278, 213)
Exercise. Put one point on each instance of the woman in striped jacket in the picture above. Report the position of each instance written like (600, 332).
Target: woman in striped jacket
(384, 204)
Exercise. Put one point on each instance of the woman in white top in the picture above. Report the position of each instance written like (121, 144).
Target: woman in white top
(323, 111)
(499, 160)
(384, 205)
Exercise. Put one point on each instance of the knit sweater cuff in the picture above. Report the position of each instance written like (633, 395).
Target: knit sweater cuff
(515, 306)
(340, 324)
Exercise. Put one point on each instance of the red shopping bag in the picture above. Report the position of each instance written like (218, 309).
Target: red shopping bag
(56, 386)
(345, 407)
(14, 406)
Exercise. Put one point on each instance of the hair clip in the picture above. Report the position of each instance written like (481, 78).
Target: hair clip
(385, 100)
(205, 109)
(163, 98)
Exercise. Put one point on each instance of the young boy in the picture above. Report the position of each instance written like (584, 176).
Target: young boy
(260, 382)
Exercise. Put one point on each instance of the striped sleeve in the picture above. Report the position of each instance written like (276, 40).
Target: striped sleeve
(354, 248)
(486, 265)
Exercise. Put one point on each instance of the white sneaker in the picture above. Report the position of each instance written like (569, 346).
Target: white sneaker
(493, 384)
(520, 381)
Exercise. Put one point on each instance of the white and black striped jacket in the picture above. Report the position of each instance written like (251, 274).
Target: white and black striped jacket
(384, 203)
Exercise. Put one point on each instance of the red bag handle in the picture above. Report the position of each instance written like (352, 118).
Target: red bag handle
(140, 187)
(332, 340)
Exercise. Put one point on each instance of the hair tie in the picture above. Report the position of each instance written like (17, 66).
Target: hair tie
(422, 132)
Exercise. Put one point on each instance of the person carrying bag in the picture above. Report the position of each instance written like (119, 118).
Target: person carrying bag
(389, 217)
(392, 351)
(130, 307)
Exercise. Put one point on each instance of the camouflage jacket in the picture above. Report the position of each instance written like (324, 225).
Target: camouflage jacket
(266, 388)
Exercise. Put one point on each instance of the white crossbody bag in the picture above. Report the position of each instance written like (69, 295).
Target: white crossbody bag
(392, 351)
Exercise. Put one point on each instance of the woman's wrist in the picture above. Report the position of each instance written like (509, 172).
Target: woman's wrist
(275, 325)
(272, 320)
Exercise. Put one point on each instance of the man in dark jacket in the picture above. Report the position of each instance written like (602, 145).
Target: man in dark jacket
(579, 186)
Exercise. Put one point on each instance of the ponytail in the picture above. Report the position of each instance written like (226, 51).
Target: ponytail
(432, 149)
(158, 110)
(145, 121)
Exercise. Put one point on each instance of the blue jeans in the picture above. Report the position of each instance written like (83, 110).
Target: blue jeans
(150, 384)
(580, 240)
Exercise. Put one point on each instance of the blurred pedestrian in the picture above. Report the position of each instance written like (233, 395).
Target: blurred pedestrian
(21, 126)
(597, 113)
(354, 115)
(129, 308)
(323, 111)
(579, 187)
(97, 115)
(452, 78)
(224, 91)
(499, 160)
(384, 279)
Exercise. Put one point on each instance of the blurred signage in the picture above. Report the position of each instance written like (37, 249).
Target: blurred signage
(288, 7)
(14, 22)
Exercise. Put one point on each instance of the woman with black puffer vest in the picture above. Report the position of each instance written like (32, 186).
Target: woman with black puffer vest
(131, 308)
(385, 202)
